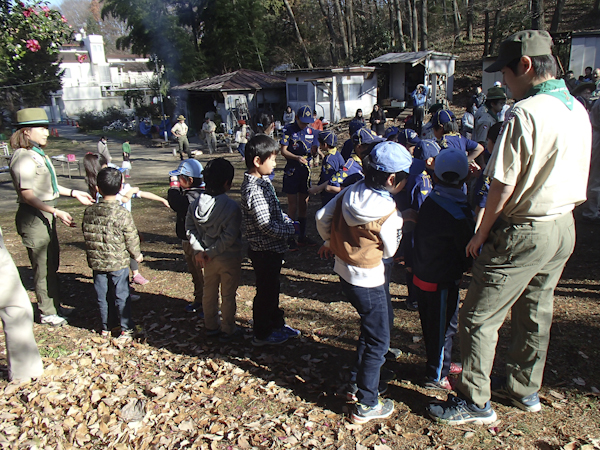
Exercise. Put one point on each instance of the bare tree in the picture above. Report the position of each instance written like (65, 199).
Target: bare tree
(470, 19)
(410, 21)
(351, 27)
(494, 39)
(557, 16)
(486, 37)
(298, 35)
(537, 15)
(423, 24)
(415, 18)
(400, 27)
(342, 27)
(456, 18)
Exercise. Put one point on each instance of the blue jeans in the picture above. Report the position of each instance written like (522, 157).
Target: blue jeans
(374, 339)
(112, 289)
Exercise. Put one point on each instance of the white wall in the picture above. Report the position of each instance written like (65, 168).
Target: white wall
(584, 52)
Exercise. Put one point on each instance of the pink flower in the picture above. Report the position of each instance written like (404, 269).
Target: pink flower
(33, 45)
(27, 12)
(45, 9)
(63, 18)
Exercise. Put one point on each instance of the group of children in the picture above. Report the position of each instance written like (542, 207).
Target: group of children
(370, 203)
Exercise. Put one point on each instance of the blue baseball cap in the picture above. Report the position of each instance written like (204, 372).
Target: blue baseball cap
(443, 116)
(408, 136)
(354, 126)
(365, 136)
(391, 131)
(390, 157)
(305, 114)
(426, 149)
(328, 137)
(452, 160)
(189, 168)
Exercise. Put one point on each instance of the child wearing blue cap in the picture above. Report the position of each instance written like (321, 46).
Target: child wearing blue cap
(439, 261)
(348, 146)
(446, 132)
(187, 184)
(332, 163)
(361, 226)
(298, 144)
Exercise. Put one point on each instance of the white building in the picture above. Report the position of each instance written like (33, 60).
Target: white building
(94, 81)
(334, 93)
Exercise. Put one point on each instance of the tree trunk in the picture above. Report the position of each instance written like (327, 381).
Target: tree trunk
(342, 25)
(495, 31)
(415, 17)
(298, 35)
(351, 27)
(392, 17)
(400, 30)
(332, 36)
(597, 6)
(423, 24)
(557, 16)
(409, 19)
(537, 15)
(470, 20)
(445, 13)
(486, 37)
(456, 17)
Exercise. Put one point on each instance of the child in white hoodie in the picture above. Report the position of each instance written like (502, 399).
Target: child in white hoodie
(361, 226)
(213, 227)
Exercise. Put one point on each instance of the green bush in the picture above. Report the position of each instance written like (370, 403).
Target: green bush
(97, 120)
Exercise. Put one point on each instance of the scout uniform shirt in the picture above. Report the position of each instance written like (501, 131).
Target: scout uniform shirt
(30, 170)
(180, 129)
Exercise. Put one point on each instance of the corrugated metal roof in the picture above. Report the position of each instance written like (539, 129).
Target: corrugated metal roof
(240, 80)
(408, 57)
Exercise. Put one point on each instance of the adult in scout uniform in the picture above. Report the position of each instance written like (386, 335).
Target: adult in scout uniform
(527, 233)
(208, 129)
(298, 144)
(487, 115)
(37, 189)
(180, 130)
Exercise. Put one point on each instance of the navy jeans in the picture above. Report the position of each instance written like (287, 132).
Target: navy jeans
(266, 313)
(112, 289)
(374, 339)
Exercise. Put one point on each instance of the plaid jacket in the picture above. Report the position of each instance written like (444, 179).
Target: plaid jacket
(263, 224)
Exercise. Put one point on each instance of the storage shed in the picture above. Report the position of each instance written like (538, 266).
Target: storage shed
(402, 72)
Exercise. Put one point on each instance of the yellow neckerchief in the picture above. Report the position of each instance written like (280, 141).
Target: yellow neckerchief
(330, 151)
(443, 143)
(357, 159)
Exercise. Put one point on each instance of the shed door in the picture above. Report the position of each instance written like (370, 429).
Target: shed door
(323, 100)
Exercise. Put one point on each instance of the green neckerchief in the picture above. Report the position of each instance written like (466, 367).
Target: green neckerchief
(555, 88)
(40, 152)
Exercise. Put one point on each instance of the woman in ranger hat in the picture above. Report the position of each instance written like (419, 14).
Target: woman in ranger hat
(37, 190)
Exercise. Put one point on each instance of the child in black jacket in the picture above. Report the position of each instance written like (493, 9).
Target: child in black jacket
(443, 230)
(186, 186)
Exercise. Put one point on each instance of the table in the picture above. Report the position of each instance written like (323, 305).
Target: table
(63, 160)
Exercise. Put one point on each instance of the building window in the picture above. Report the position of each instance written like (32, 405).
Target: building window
(349, 91)
(323, 93)
(297, 93)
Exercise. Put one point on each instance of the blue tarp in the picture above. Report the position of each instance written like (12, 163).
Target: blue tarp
(147, 129)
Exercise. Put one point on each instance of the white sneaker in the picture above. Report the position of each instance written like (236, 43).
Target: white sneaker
(53, 320)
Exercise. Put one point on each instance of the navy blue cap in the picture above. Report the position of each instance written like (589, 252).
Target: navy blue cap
(390, 157)
(452, 160)
(391, 131)
(328, 137)
(408, 136)
(443, 116)
(304, 114)
(365, 136)
(354, 126)
(426, 149)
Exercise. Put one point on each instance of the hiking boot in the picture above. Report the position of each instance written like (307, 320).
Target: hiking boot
(293, 245)
(445, 384)
(393, 354)
(456, 411)
(275, 338)
(65, 312)
(531, 403)
(363, 413)
(54, 320)
(212, 332)
(288, 331)
(139, 279)
(306, 242)
(455, 369)
(352, 389)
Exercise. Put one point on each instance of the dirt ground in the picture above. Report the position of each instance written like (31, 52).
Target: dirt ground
(178, 388)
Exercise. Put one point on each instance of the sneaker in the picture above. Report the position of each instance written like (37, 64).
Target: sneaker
(363, 413)
(293, 245)
(456, 411)
(134, 297)
(224, 337)
(65, 312)
(54, 320)
(445, 384)
(411, 306)
(352, 389)
(193, 307)
(212, 332)
(455, 368)
(105, 333)
(393, 354)
(125, 337)
(531, 403)
(275, 338)
(386, 374)
(289, 331)
(139, 279)
(306, 242)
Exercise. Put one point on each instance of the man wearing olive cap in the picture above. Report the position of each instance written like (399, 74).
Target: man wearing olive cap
(526, 236)
(487, 115)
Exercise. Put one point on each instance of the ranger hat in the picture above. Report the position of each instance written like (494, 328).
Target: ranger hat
(189, 168)
(181, 117)
(32, 117)
(495, 93)
(305, 114)
(523, 43)
(390, 157)
(452, 160)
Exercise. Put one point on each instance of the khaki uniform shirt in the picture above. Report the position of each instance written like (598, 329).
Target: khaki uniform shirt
(484, 120)
(209, 127)
(29, 171)
(180, 129)
(544, 152)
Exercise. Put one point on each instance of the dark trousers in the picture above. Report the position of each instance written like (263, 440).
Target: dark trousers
(388, 265)
(419, 114)
(438, 310)
(374, 340)
(112, 289)
(266, 313)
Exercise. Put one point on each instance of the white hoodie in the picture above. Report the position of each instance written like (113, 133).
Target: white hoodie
(360, 206)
